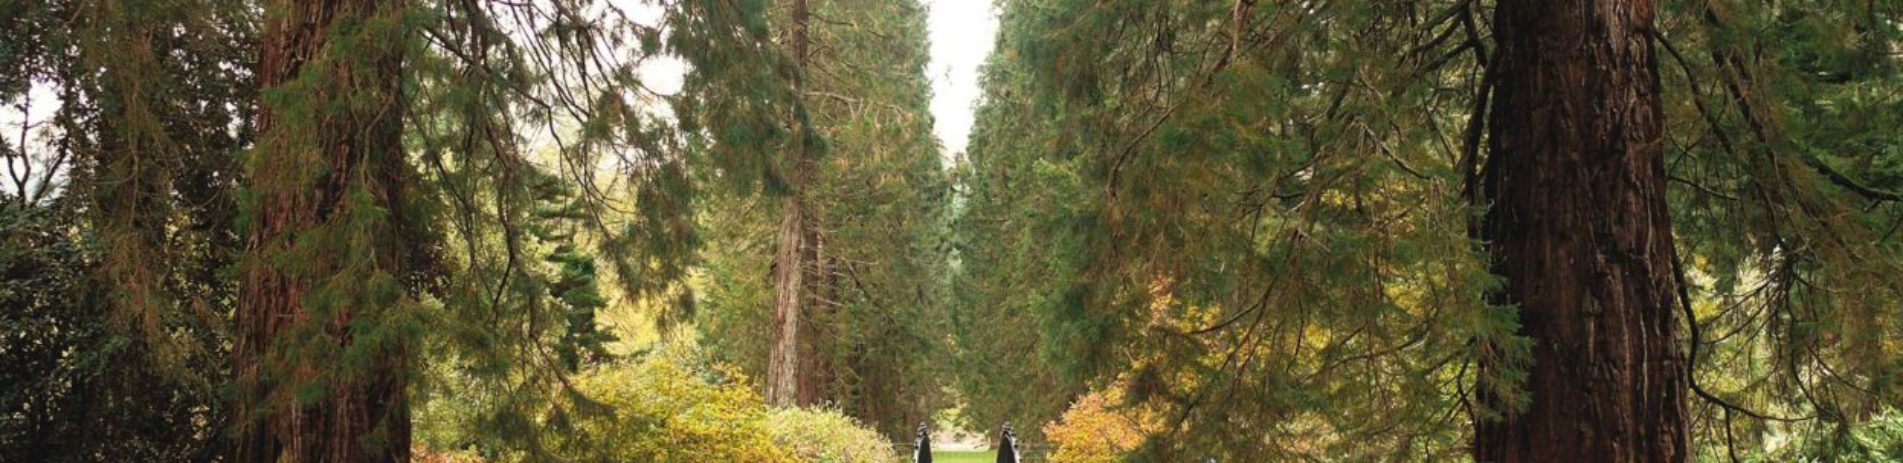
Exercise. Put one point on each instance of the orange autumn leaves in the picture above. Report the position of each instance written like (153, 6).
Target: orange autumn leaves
(1100, 428)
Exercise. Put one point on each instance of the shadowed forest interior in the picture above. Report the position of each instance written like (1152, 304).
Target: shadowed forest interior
(465, 231)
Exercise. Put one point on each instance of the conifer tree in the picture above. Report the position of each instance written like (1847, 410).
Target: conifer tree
(325, 320)
(797, 272)
(1577, 226)
(120, 191)
(1512, 230)
(873, 209)
(424, 208)
(1272, 221)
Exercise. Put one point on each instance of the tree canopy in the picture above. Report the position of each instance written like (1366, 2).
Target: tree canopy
(701, 230)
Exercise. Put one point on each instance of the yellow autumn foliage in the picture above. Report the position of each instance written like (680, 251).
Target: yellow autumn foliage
(822, 435)
(665, 411)
(1100, 428)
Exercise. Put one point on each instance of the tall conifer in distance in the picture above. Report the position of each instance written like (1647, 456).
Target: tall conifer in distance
(791, 374)
(871, 326)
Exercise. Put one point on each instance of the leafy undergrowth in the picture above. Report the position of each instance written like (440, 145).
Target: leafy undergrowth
(1100, 428)
(667, 407)
(822, 435)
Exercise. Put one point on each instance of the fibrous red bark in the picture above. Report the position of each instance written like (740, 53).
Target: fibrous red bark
(796, 374)
(342, 136)
(1577, 227)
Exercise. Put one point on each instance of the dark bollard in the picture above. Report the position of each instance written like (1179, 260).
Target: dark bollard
(1007, 445)
(923, 454)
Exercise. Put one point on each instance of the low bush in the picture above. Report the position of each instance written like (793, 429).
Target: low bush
(663, 409)
(827, 436)
(666, 406)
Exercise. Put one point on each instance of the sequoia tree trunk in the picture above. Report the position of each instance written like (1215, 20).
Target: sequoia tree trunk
(1578, 229)
(321, 376)
(793, 260)
(789, 285)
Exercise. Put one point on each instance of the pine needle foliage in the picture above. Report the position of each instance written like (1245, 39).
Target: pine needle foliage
(120, 201)
(253, 230)
(396, 199)
(878, 202)
(1263, 214)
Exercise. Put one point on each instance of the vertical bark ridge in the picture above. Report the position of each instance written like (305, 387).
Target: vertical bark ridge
(329, 173)
(1579, 231)
(794, 260)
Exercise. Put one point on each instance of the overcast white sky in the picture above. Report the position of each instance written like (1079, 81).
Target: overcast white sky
(961, 34)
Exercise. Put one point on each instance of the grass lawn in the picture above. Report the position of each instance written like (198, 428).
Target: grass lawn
(963, 456)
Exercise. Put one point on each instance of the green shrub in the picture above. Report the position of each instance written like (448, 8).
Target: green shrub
(76, 385)
(827, 436)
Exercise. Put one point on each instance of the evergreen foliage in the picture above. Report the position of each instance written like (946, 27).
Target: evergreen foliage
(119, 207)
(298, 230)
(74, 387)
(881, 199)
(1246, 207)
(1262, 213)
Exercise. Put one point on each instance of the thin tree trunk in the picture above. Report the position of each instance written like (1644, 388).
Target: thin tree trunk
(791, 260)
(297, 402)
(783, 367)
(1579, 231)
(816, 376)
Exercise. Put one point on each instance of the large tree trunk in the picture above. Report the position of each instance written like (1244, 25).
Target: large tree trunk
(316, 382)
(1579, 231)
(793, 260)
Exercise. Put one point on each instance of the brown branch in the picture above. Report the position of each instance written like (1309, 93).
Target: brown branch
(1701, 188)
(1691, 360)
(1851, 184)
(1757, 125)
(1469, 163)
